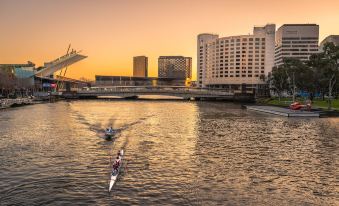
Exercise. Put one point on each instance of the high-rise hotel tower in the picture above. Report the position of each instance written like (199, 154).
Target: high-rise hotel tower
(297, 41)
(140, 66)
(229, 62)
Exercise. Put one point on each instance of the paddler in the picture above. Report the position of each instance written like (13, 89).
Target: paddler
(117, 162)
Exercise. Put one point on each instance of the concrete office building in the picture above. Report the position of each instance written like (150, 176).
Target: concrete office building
(298, 41)
(177, 67)
(231, 62)
(21, 71)
(140, 66)
(332, 38)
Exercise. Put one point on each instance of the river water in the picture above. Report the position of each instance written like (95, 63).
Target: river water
(176, 152)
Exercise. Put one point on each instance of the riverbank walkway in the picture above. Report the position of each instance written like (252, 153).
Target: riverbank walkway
(283, 111)
(6, 103)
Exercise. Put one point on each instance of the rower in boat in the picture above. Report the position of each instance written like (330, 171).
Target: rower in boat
(109, 132)
(116, 169)
(116, 164)
(110, 129)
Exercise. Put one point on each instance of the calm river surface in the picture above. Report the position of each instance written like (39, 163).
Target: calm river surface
(176, 152)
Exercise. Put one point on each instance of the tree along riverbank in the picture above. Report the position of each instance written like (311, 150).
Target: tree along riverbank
(317, 104)
(318, 76)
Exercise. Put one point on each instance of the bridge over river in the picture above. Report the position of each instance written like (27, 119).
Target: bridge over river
(183, 92)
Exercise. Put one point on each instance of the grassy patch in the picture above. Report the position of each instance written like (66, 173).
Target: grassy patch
(317, 103)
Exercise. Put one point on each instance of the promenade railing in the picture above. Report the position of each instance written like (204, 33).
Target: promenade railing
(150, 89)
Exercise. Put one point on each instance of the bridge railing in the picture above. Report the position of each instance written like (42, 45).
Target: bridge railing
(178, 90)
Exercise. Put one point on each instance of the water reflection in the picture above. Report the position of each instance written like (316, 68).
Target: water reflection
(187, 153)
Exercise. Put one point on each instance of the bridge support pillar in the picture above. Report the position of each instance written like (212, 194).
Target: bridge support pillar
(131, 97)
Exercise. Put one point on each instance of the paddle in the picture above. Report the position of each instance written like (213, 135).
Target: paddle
(109, 174)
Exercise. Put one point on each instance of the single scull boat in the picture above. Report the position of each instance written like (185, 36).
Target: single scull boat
(115, 172)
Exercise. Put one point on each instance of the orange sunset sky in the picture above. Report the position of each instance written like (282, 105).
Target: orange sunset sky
(111, 32)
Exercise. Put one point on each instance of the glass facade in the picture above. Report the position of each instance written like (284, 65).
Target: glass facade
(177, 67)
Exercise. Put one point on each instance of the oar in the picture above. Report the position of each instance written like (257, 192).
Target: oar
(109, 174)
(125, 167)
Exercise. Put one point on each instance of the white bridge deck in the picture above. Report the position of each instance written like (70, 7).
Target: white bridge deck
(60, 63)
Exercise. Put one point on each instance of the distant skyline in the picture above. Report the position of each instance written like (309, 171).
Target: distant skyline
(111, 32)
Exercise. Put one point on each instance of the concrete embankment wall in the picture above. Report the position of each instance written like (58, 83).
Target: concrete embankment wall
(7, 103)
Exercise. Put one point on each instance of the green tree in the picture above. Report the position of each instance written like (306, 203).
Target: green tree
(331, 54)
(278, 81)
(325, 67)
(318, 65)
(297, 75)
